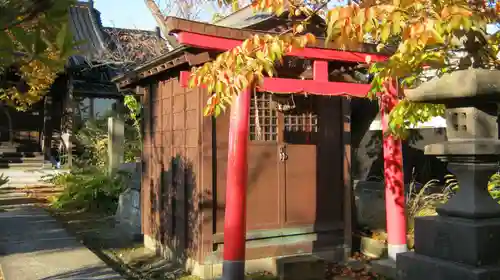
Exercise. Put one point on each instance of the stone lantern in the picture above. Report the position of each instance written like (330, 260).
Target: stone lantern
(463, 240)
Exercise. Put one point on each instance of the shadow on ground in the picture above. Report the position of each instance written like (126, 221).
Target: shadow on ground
(100, 233)
(44, 233)
(95, 273)
(33, 245)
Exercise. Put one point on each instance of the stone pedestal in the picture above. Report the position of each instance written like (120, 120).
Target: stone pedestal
(463, 241)
(460, 240)
(453, 248)
(116, 139)
(128, 213)
(414, 266)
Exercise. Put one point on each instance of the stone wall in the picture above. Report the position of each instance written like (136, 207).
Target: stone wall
(128, 214)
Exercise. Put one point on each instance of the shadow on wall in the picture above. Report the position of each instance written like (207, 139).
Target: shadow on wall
(179, 210)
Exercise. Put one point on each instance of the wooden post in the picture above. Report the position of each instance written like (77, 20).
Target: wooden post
(347, 162)
(69, 122)
(236, 187)
(393, 174)
(47, 127)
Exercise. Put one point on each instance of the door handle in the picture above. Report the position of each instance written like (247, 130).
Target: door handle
(283, 155)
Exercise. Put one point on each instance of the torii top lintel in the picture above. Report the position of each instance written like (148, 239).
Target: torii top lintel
(208, 36)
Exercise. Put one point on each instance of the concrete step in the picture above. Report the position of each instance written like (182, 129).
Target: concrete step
(22, 165)
(30, 172)
(17, 185)
(28, 178)
(19, 154)
(8, 149)
(19, 178)
(12, 194)
(22, 159)
(20, 186)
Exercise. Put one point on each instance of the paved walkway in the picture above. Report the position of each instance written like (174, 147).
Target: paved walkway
(34, 246)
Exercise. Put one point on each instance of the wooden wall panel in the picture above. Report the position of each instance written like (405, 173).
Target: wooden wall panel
(167, 196)
(207, 185)
(184, 182)
(155, 159)
(146, 153)
(172, 156)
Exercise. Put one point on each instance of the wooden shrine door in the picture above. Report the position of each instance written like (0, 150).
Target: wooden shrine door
(311, 155)
(294, 166)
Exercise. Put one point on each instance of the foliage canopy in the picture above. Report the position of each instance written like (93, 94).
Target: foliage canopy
(35, 43)
(430, 37)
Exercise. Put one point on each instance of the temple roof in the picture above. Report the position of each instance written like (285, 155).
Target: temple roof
(136, 45)
(84, 22)
(101, 44)
(107, 46)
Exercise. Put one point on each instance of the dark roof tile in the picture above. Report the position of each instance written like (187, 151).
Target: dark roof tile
(135, 45)
(85, 26)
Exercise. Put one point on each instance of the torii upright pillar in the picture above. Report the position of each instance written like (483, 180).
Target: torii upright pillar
(236, 188)
(393, 173)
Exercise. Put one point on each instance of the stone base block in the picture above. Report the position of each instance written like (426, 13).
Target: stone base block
(300, 268)
(473, 242)
(297, 267)
(384, 267)
(412, 266)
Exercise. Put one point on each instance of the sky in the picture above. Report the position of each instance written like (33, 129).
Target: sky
(129, 14)
(135, 14)
(125, 14)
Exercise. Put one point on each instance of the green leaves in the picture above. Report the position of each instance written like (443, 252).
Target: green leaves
(386, 32)
(65, 41)
(406, 115)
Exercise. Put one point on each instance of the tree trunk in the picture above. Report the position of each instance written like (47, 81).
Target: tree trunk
(160, 19)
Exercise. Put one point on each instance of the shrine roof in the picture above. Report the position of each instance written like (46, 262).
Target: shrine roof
(243, 18)
(247, 18)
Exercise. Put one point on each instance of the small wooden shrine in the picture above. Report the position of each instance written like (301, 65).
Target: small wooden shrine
(299, 186)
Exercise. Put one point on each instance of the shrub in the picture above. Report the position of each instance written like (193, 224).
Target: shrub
(494, 186)
(88, 189)
(93, 138)
(423, 201)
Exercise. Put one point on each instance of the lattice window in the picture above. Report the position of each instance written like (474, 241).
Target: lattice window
(301, 124)
(306, 122)
(303, 118)
(263, 122)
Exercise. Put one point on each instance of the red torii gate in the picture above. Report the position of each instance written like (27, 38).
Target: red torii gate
(235, 211)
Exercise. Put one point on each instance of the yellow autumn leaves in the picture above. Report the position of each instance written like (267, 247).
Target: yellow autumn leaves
(243, 66)
(426, 34)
